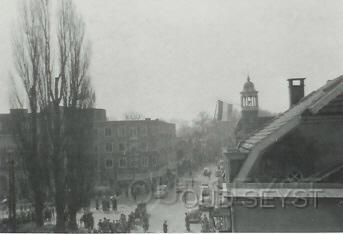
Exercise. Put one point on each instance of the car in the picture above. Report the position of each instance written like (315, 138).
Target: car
(161, 192)
(194, 216)
(205, 196)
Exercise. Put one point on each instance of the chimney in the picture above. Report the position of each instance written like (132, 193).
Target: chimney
(296, 90)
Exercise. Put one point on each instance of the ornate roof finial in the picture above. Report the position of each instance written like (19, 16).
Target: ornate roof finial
(248, 78)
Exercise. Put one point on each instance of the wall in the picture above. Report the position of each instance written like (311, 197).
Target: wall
(327, 217)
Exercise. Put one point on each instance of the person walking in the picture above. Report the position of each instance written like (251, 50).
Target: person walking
(91, 221)
(188, 228)
(114, 203)
(103, 205)
(145, 223)
(206, 224)
(130, 222)
(165, 226)
(97, 204)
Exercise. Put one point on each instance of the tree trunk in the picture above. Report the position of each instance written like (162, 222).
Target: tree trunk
(60, 214)
(39, 206)
(59, 201)
(72, 223)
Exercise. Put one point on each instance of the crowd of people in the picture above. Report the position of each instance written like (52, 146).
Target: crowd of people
(125, 223)
(205, 225)
(87, 220)
(116, 226)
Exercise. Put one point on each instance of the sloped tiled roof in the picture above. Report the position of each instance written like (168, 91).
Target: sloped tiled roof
(287, 121)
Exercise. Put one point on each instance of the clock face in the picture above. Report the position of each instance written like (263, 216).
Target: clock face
(249, 101)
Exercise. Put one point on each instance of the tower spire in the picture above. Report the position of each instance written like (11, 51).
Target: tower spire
(249, 99)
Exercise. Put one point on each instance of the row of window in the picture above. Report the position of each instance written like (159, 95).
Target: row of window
(122, 131)
(132, 131)
(131, 162)
(133, 147)
(121, 147)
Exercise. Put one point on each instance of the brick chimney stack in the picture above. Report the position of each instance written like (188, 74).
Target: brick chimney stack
(296, 90)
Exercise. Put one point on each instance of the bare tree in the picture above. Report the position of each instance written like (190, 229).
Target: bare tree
(77, 95)
(27, 49)
(55, 103)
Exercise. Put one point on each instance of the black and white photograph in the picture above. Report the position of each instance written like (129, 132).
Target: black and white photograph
(171, 116)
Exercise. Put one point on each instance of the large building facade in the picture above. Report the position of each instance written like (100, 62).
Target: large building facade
(122, 151)
(132, 150)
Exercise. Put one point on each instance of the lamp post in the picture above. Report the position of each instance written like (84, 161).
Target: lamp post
(11, 191)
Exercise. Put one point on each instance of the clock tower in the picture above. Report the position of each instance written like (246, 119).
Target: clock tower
(249, 101)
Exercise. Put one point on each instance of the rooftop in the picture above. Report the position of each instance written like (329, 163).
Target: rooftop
(287, 121)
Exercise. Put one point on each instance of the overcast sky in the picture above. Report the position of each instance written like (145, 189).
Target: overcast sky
(174, 58)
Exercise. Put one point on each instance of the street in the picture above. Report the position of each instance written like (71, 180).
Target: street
(171, 208)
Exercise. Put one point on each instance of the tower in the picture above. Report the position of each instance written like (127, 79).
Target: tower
(249, 102)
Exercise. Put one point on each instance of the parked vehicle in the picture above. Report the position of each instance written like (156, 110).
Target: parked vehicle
(194, 216)
(161, 192)
(205, 196)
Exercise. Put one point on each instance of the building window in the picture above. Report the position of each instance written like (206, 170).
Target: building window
(133, 132)
(121, 132)
(95, 148)
(121, 147)
(95, 131)
(153, 161)
(134, 162)
(133, 146)
(109, 163)
(108, 131)
(109, 147)
(122, 163)
(145, 162)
